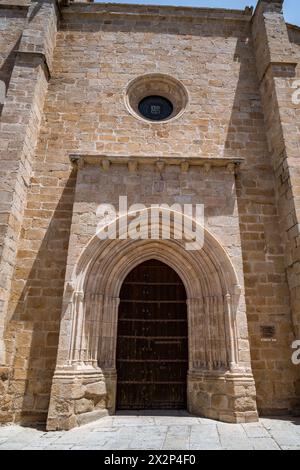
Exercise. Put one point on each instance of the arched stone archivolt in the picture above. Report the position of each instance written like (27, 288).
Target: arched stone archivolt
(87, 350)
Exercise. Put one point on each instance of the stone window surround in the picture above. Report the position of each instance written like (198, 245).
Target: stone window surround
(156, 84)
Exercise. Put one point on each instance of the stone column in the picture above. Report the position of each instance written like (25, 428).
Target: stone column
(79, 392)
(108, 334)
(218, 386)
(196, 323)
(108, 348)
(208, 348)
(276, 68)
(19, 127)
(231, 331)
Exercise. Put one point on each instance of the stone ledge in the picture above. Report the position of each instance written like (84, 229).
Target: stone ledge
(15, 6)
(286, 63)
(293, 26)
(220, 375)
(69, 373)
(148, 11)
(133, 161)
(40, 56)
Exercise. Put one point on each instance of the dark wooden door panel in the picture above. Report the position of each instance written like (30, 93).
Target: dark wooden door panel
(153, 272)
(161, 292)
(136, 349)
(152, 348)
(152, 372)
(152, 310)
(152, 396)
(152, 329)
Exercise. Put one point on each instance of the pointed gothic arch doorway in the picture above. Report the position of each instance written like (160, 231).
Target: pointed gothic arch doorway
(220, 383)
(152, 342)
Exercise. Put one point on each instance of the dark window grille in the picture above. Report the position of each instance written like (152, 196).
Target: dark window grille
(156, 108)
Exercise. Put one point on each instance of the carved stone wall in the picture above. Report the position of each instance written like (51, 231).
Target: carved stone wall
(66, 82)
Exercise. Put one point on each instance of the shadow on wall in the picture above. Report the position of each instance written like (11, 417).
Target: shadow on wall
(267, 293)
(34, 327)
(6, 70)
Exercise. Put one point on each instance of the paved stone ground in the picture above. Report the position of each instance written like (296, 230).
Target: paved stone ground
(159, 431)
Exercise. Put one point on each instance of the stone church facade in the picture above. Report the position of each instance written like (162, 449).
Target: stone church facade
(76, 133)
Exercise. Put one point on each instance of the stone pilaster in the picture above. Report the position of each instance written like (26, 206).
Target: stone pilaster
(19, 127)
(81, 391)
(276, 67)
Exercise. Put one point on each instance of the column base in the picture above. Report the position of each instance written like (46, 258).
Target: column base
(223, 396)
(78, 397)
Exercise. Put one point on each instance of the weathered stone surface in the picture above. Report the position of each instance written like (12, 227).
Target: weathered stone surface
(83, 406)
(220, 402)
(87, 418)
(66, 87)
(95, 391)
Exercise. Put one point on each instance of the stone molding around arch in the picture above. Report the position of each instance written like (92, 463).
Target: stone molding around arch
(220, 381)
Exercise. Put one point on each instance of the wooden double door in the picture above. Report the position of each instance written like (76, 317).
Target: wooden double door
(152, 345)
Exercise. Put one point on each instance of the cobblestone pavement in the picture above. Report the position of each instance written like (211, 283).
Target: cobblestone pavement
(159, 431)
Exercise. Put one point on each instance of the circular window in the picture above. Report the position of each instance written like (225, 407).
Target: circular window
(156, 108)
(156, 98)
